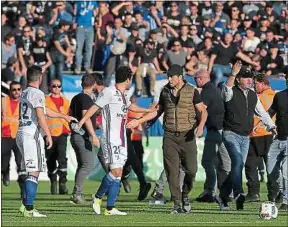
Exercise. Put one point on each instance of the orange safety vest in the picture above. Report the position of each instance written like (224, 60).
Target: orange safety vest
(136, 134)
(266, 98)
(9, 119)
(56, 124)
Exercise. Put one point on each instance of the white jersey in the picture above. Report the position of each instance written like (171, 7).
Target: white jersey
(30, 99)
(114, 111)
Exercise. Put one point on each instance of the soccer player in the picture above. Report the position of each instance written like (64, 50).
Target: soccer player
(29, 139)
(114, 103)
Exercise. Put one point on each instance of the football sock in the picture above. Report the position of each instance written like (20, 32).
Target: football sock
(113, 192)
(106, 182)
(31, 185)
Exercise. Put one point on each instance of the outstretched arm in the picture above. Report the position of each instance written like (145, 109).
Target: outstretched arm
(92, 110)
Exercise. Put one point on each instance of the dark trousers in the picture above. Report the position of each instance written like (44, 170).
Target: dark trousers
(132, 161)
(258, 150)
(139, 150)
(57, 153)
(8, 145)
(180, 147)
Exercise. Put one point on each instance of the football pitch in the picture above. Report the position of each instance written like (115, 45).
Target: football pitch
(62, 213)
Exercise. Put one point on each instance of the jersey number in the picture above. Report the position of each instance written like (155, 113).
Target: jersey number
(23, 111)
(116, 149)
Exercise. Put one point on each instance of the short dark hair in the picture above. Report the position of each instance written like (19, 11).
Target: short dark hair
(14, 83)
(98, 78)
(33, 73)
(87, 81)
(262, 78)
(122, 74)
(8, 36)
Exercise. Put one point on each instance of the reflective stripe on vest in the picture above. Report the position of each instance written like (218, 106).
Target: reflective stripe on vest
(56, 124)
(266, 99)
(9, 119)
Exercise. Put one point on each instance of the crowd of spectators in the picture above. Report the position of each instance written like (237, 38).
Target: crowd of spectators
(148, 36)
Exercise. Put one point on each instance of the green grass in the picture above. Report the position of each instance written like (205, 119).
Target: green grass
(61, 213)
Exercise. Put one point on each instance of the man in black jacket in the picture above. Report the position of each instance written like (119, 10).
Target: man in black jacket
(240, 105)
(213, 145)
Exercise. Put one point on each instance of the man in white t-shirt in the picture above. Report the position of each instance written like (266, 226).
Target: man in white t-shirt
(29, 139)
(114, 103)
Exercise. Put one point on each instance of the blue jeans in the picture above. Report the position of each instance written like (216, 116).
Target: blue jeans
(56, 69)
(276, 161)
(219, 71)
(84, 35)
(237, 147)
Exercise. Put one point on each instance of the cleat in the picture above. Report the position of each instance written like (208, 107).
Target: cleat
(186, 206)
(114, 211)
(240, 199)
(77, 199)
(33, 214)
(205, 197)
(22, 209)
(96, 204)
(144, 190)
(283, 207)
(176, 210)
(279, 198)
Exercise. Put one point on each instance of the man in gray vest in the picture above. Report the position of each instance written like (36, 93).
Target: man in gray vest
(240, 105)
(179, 102)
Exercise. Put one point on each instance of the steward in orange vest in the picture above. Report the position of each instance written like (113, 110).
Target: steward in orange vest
(59, 130)
(9, 128)
(260, 140)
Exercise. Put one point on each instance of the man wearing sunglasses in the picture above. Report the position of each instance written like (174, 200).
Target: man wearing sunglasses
(59, 129)
(9, 127)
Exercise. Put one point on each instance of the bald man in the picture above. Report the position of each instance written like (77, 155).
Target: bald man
(215, 159)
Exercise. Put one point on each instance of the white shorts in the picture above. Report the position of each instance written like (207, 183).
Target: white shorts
(33, 152)
(115, 155)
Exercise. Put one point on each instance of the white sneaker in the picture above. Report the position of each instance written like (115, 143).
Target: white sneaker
(96, 204)
(114, 211)
(33, 214)
(22, 208)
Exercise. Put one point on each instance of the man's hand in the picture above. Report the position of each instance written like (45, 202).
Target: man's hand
(236, 68)
(70, 118)
(199, 132)
(132, 124)
(95, 141)
(49, 142)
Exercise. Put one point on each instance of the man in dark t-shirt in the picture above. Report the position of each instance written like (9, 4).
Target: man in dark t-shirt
(81, 143)
(222, 58)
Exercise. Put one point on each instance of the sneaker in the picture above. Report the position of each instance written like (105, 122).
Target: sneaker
(88, 70)
(53, 187)
(63, 190)
(77, 199)
(114, 211)
(186, 206)
(223, 204)
(279, 198)
(77, 71)
(176, 210)
(126, 185)
(250, 198)
(22, 209)
(6, 179)
(157, 198)
(152, 93)
(33, 214)
(96, 204)
(205, 197)
(138, 93)
(284, 207)
(240, 199)
(144, 190)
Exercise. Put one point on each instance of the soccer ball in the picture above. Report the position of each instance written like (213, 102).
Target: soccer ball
(268, 210)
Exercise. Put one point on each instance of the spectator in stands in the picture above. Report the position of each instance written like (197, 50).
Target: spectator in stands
(61, 50)
(173, 15)
(232, 27)
(247, 23)
(60, 12)
(222, 56)
(143, 26)
(220, 19)
(194, 16)
(41, 57)
(272, 64)
(251, 42)
(18, 30)
(174, 56)
(194, 35)
(5, 27)
(120, 10)
(198, 62)
(260, 32)
(24, 49)
(85, 11)
(8, 73)
(148, 66)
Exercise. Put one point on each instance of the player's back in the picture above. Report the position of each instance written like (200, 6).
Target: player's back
(30, 99)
